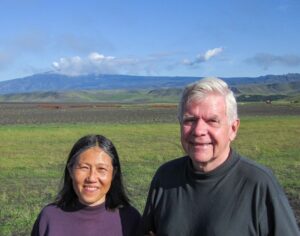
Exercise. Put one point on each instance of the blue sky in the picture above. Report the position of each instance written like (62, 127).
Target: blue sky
(155, 37)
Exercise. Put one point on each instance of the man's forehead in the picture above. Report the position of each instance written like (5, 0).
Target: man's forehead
(208, 108)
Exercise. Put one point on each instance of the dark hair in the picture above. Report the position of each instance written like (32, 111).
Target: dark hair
(116, 196)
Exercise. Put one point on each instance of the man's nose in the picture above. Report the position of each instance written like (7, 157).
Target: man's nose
(200, 127)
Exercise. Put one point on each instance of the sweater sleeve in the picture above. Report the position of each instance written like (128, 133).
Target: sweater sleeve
(163, 179)
(35, 228)
(40, 226)
(278, 217)
(147, 223)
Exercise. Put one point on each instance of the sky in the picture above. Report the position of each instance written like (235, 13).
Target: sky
(233, 38)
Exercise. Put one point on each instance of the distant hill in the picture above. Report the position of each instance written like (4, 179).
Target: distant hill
(49, 87)
(107, 96)
(287, 88)
(51, 82)
(56, 82)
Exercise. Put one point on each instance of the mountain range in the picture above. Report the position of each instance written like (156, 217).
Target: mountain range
(102, 87)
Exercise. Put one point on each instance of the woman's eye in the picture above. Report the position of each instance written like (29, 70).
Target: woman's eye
(83, 167)
(102, 170)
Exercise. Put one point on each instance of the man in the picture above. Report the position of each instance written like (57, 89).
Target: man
(213, 190)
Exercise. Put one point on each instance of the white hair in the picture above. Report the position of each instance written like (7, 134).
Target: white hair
(200, 89)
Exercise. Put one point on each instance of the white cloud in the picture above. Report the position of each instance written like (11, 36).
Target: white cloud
(70, 66)
(94, 63)
(212, 53)
(97, 63)
(96, 57)
(203, 57)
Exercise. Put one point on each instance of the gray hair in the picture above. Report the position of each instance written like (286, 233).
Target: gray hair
(200, 89)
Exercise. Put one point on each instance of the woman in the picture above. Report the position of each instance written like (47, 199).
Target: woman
(92, 200)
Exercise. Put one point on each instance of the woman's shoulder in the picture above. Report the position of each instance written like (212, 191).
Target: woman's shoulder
(46, 215)
(50, 210)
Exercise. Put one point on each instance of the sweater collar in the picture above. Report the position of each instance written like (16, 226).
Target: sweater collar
(79, 206)
(219, 171)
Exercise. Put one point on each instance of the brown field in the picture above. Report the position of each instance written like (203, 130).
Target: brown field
(38, 113)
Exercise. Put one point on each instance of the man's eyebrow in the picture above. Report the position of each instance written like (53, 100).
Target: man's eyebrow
(189, 116)
(213, 117)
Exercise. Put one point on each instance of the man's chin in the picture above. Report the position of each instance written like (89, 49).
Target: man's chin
(202, 160)
(202, 157)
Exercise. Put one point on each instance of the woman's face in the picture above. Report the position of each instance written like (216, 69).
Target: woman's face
(92, 175)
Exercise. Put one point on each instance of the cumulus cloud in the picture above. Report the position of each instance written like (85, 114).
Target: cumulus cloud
(203, 57)
(93, 63)
(96, 57)
(266, 60)
(98, 63)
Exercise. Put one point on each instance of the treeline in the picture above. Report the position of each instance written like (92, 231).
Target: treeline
(260, 98)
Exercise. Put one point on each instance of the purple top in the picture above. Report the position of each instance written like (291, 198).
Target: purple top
(85, 220)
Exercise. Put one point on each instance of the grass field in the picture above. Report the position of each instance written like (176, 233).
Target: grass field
(33, 157)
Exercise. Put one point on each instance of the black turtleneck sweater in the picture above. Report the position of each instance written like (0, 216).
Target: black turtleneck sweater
(240, 197)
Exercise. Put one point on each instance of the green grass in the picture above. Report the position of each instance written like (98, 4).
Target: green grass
(124, 96)
(274, 142)
(33, 157)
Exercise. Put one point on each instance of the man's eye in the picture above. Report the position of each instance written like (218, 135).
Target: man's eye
(214, 122)
(188, 120)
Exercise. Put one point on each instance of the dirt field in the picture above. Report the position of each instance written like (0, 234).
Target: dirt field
(38, 113)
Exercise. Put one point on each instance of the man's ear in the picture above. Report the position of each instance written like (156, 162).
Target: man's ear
(234, 129)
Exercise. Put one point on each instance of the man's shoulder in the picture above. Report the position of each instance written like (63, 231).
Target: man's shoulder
(171, 173)
(130, 219)
(174, 164)
(254, 167)
(171, 170)
(131, 211)
(256, 172)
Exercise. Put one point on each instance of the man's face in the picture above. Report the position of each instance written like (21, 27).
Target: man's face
(206, 133)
